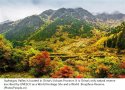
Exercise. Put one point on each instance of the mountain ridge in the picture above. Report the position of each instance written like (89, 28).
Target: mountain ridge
(22, 29)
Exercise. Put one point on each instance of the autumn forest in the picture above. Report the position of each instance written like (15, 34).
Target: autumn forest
(63, 43)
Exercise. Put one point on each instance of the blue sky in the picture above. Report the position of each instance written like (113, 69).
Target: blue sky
(17, 9)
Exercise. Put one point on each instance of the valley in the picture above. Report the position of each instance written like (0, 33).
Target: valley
(63, 43)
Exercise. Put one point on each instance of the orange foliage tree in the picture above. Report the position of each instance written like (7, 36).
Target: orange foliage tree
(122, 65)
(79, 76)
(64, 72)
(40, 63)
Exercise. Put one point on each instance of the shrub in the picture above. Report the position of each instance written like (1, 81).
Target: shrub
(56, 64)
(101, 67)
(70, 62)
(34, 72)
(122, 65)
(20, 60)
(5, 54)
(64, 72)
(99, 71)
(107, 67)
(117, 69)
(79, 76)
(102, 71)
(82, 69)
(40, 63)
(121, 76)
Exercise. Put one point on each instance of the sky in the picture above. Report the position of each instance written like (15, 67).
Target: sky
(18, 9)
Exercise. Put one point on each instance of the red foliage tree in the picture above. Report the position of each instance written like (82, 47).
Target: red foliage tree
(121, 76)
(122, 65)
(79, 76)
(41, 62)
(64, 72)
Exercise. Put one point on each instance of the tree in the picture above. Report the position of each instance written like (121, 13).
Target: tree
(40, 64)
(5, 54)
(117, 39)
(64, 72)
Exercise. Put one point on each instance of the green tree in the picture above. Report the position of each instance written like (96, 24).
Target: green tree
(5, 54)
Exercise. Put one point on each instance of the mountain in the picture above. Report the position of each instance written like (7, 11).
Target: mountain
(47, 14)
(5, 26)
(7, 21)
(113, 16)
(23, 28)
(45, 25)
(73, 26)
(78, 13)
